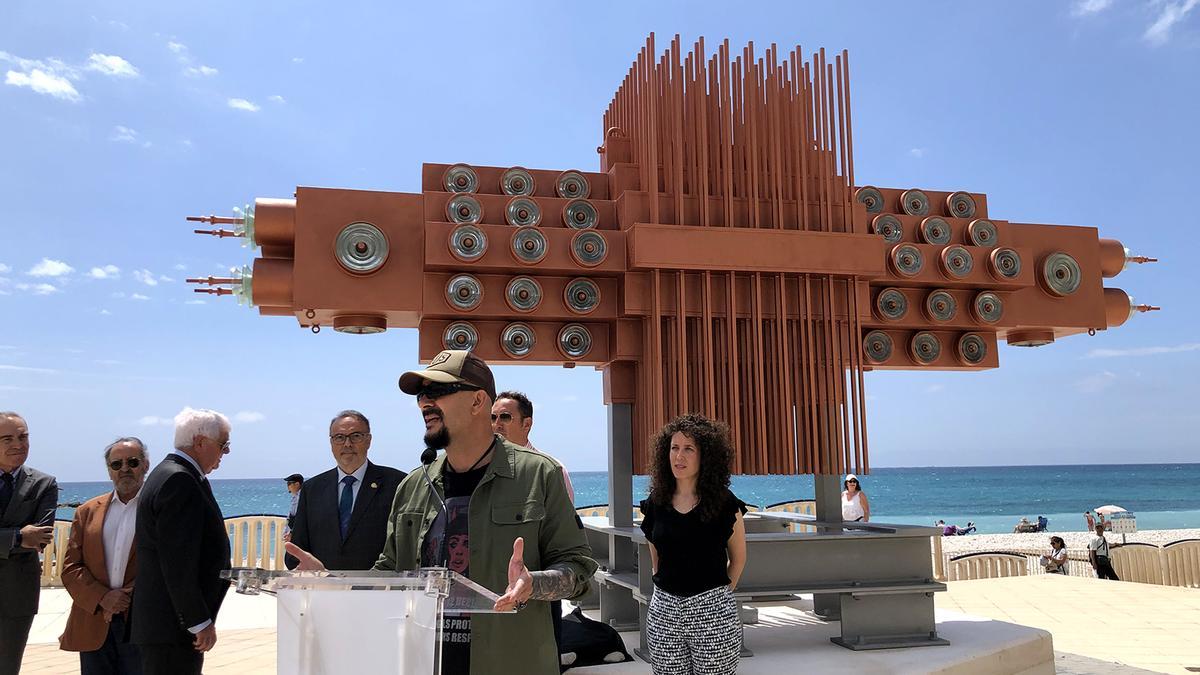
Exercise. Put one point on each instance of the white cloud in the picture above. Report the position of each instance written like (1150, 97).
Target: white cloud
(165, 279)
(179, 267)
(276, 99)
(106, 272)
(111, 65)
(917, 152)
(105, 312)
(50, 268)
(146, 277)
(122, 134)
(243, 104)
(42, 82)
(1094, 384)
(4, 269)
(195, 302)
(1143, 351)
(108, 362)
(249, 417)
(1088, 7)
(152, 421)
(38, 289)
(934, 388)
(1172, 13)
(200, 71)
(297, 59)
(138, 296)
(27, 369)
(176, 47)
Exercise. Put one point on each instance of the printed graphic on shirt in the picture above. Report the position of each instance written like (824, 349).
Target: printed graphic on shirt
(447, 540)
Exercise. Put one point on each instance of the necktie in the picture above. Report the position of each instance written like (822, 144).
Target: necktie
(346, 503)
(6, 491)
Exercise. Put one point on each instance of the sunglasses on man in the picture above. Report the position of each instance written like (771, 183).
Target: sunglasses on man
(436, 390)
(503, 417)
(131, 462)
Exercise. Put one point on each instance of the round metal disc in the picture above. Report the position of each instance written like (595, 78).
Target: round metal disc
(589, 248)
(468, 243)
(574, 341)
(522, 212)
(460, 335)
(464, 292)
(361, 248)
(871, 198)
(960, 205)
(957, 262)
(516, 181)
(580, 215)
(925, 348)
(982, 232)
(1061, 274)
(529, 245)
(582, 296)
(517, 340)
(935, 230)
(888, 226)
(877, 346)
(940, 306)
(523, 294)
(460, 178)
(1005, 263)
(464, 210)
(988, 307)
(907, 260)
(972, 349)
(891, 304)
(914, 202)
(572, 185)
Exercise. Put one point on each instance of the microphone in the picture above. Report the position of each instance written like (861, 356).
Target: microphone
(427, 457)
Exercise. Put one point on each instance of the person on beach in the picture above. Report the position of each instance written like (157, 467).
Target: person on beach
(101, 564)
(1099, 556)
(506, 513)
(1055, 562)
(27, 504)
(855, 507)
(293, 482)
(693, 523)
(1091, 520)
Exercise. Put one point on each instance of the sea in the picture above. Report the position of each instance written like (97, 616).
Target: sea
(994, 498)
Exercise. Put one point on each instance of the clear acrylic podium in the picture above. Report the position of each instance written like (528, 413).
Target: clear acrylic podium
(358, 622)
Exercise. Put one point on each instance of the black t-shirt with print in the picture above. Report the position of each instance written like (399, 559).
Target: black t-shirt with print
(450, 542)
(692, 552)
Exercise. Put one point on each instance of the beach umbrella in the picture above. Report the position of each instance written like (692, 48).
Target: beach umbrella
(1110, 509)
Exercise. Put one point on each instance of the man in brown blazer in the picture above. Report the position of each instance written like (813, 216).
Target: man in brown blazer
(101, 565)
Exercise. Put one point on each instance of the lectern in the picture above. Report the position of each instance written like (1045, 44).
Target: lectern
(336, 622)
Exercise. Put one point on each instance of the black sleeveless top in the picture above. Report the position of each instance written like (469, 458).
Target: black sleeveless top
(692, 553)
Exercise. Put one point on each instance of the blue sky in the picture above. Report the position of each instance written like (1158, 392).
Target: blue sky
(120, 118)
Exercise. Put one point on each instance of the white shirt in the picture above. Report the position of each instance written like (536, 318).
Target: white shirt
(358, 474)
(1099, 545)
(852, 508)
(119, 523)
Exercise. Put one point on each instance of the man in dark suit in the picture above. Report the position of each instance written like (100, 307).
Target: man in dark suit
(28, 499)
(343, 513)
(182, 546)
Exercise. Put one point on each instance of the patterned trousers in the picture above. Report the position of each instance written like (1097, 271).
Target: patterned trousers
(697, 635)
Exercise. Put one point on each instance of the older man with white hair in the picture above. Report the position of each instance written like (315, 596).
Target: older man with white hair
(182, 547)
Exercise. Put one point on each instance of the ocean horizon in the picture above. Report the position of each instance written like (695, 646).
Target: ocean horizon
(1162, 496)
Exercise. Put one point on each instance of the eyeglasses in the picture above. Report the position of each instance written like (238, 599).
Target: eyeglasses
(355, 438)
(225, 446)
(436, 390)
(131, 462)
(503, 417)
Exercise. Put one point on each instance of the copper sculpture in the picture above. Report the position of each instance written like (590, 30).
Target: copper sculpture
(721, 260)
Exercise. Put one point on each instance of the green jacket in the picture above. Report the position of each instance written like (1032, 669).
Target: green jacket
(521, 494)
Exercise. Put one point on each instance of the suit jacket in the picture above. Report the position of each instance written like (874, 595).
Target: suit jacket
(34, 500)
(316, 528)
(182, 546)
(85, 576)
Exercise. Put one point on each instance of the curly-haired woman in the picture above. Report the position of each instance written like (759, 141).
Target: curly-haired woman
(698, 549)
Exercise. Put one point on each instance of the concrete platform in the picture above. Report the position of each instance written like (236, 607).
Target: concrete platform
(995, 626)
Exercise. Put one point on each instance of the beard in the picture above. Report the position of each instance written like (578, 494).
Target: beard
(438, 439)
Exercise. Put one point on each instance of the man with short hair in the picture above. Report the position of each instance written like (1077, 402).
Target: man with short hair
(512, 418)
(101, 564)
(1098, 555)
(505, 505)
(293, 483)
(182, 546)
(342, 515)
(28, 499)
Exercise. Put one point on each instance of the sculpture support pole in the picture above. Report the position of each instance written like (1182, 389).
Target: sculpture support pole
(829, 510)
(620, 482)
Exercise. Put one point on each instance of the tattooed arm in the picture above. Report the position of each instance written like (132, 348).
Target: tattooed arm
(555, 583)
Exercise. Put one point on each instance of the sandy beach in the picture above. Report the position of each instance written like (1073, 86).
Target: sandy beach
(1040, 541)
